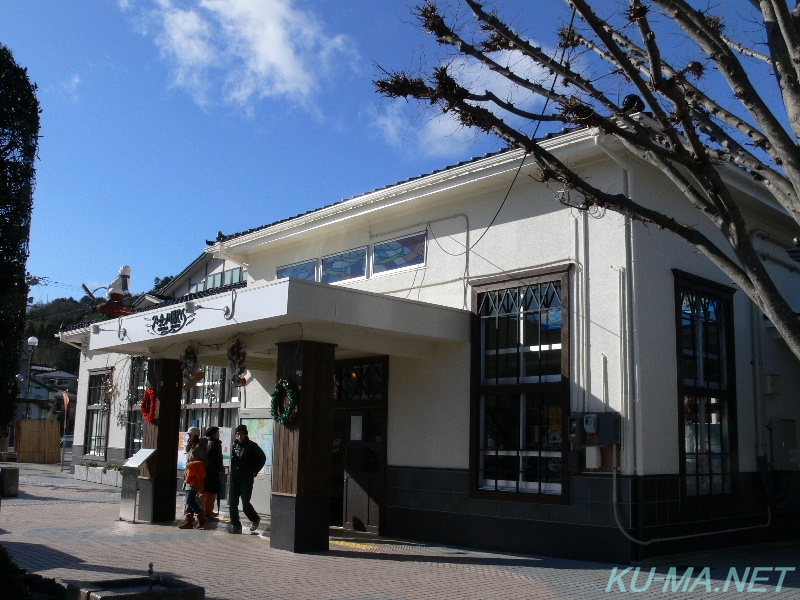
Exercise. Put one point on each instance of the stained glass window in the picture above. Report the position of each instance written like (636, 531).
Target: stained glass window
(399, 253)
(347, 265)
(305, 270)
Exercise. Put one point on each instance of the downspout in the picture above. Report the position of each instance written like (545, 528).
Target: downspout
(633, 361)
(757, 362)
(756, 350)
(221, 253)
(630, 321)
(580, 339)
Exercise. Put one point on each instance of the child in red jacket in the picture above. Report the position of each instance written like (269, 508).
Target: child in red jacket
(193, 484)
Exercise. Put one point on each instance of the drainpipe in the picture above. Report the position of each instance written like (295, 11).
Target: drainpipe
(580, 344)
(756, 348)
(630, 319)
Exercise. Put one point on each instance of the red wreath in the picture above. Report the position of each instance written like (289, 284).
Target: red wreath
(149, 401)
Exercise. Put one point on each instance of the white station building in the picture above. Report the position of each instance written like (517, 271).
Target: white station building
(476, 364)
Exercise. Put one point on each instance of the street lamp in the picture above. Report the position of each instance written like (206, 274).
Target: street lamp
(33, 341)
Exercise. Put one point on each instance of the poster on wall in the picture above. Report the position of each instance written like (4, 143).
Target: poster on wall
(226, 437)
(183, 437)
(260, 431)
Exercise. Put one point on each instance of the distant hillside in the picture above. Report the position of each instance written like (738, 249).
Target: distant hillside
(44, 321)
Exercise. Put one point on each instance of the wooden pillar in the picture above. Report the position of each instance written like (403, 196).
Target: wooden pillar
(158, 487)
(302, 452)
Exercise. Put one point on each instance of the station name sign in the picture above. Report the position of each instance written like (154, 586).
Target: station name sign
(168, 322)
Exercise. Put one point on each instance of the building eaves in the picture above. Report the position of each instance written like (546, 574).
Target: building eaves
(168, 302)
(226, 238)
(557, 142)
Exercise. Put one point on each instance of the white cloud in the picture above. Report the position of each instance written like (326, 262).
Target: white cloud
(71, 87)
(423, 133)
(243, 51)
(186, 38)
(417, 127)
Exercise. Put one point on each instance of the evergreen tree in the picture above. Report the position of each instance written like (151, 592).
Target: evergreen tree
(19, 139)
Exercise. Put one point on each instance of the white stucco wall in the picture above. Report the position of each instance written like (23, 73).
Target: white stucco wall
(259, 389)
(93, 363)
(428, 418)
(428, 415)
(655, 254)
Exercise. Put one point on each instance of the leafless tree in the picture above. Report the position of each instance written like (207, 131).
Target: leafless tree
(676, 113)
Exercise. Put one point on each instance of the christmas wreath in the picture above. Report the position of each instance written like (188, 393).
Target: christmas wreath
(189, 364)
(237, 357)
(149, 402)
(284, 403)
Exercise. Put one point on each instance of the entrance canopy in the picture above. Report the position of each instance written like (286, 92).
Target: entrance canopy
(358, 322)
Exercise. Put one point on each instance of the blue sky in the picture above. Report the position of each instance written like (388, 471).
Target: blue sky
(165, 121)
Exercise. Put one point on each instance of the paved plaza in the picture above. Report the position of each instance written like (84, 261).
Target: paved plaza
(70, 530)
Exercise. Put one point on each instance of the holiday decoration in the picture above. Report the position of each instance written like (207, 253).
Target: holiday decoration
(192, 373)
(237, 366)
(284, 403)
(149, 403)
(115, 295)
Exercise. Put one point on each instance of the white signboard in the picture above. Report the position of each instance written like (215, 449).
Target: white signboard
(183, 437)
(226, 437)
(138, 459)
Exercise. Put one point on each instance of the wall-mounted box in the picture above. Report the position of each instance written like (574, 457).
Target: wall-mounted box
(608, 428)
(594, 429)
(575, 431)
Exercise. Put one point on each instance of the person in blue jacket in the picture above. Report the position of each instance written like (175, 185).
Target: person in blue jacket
(247, 459)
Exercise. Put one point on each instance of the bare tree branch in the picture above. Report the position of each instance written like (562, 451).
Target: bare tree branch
(742, 49)
(688, 136)
(697, 28)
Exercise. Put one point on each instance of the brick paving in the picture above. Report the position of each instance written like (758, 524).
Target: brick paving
(69, 530)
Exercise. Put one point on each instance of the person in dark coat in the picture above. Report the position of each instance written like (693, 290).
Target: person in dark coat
(247, 459)
(214, 471)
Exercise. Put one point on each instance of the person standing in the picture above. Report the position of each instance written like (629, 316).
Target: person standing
(196, 447)
(214, 470)
(195, 479)
(247, 459)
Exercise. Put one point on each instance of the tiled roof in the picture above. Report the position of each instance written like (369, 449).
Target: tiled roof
(225, 238)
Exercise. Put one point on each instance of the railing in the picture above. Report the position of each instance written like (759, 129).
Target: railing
(66, 452)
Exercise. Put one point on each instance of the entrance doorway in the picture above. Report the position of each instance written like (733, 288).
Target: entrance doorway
(359, 443)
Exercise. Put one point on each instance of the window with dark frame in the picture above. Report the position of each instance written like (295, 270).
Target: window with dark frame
(208, 402)
(98, 406)
(135, 425)
(706, 376)
(522, 396)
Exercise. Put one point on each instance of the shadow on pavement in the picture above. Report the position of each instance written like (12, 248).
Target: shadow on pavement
(486, 561)
(717, 572)
(26, 554)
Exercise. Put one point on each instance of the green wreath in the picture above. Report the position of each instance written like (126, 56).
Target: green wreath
(284, 412)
